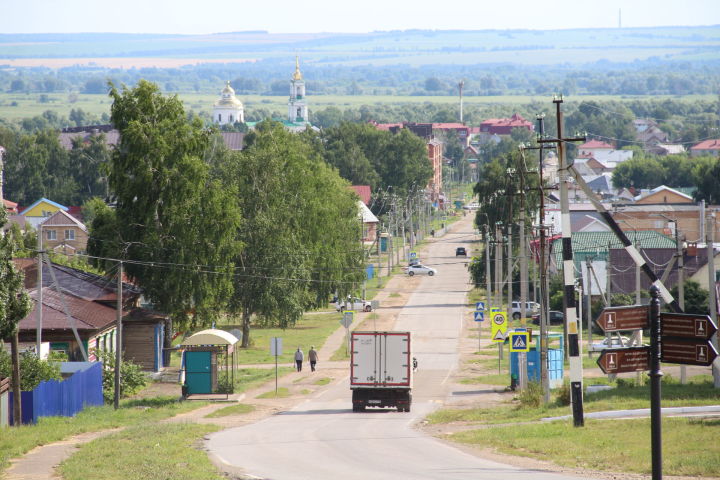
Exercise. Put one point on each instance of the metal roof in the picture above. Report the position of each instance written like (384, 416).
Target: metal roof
(597, 244)
(211, 336)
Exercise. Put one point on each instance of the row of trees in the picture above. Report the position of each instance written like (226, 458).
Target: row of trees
(649, 171)
(266, 233)
(269, 78)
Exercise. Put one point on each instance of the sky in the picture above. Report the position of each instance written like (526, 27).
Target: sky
(346, 16)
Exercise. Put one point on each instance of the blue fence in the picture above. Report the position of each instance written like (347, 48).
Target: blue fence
(63, 398)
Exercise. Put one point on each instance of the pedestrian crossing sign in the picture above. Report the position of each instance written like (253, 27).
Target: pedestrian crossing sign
(519, 342)
(479, 316)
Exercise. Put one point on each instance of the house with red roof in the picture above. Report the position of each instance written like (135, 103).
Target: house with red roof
(504, 126)
(363, 191)
(707, 147)
(88, 302)
(592, 146)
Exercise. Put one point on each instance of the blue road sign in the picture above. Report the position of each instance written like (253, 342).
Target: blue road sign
(479, 305)
(519, 342)
(479, 317)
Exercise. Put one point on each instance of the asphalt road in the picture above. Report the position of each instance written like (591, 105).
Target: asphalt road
(322, 439)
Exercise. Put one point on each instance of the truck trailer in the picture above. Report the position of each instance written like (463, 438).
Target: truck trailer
(381, 370)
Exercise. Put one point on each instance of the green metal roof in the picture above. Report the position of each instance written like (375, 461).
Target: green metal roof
(596, 245)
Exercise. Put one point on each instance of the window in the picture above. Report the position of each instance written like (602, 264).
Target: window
(69, 234)
(230, 119)
(51, 234)
(219, 117)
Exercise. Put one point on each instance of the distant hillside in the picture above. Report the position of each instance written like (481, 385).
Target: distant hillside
(410, 47)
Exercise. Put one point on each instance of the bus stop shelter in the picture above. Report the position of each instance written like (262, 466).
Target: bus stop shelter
(207, 355)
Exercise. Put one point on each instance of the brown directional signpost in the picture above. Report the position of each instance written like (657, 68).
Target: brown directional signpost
(621, 360)
(616, 319)
(686, 339)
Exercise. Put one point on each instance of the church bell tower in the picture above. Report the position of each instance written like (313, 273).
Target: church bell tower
(297, 106)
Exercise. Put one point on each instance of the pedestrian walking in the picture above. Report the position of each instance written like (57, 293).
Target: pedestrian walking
(313, 357)
(299, 357)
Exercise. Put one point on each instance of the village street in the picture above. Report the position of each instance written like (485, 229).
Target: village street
(322, 438)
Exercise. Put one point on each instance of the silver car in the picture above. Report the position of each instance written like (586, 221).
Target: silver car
(420, 269)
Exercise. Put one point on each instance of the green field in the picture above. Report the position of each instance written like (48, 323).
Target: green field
(15, 107)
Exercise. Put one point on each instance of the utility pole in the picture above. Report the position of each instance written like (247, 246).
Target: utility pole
(118, 339)
(498, 276)
(522, 251)
(571, 320)
(681, 286)
(637, 282)
(544, 288)
(509, 267)
(39, 312)
(712, 298)
(460, 87)
(488, 285)
(588, 266)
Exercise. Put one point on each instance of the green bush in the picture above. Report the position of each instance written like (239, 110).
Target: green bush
(562, 395)
(32, 369)
(131, 377)
(532, 396)
(225, 386)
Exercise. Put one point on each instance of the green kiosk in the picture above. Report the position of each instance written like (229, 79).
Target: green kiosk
(203, 354)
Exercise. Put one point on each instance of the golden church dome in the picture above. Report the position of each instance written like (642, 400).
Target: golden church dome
(297, 75)
(227, 97)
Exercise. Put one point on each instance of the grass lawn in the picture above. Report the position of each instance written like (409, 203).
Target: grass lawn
(144, 452)
(282, 392)
(19, 440)
(311, 330)
(248, 378)
(699, 391)
(620, 446)
(239, 409)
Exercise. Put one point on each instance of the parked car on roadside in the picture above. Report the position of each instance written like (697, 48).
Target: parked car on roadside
(554, 317)
(420, 269)
(472, 206)
(611, 342)
(460, 252)
(356, 304)
(531, 308)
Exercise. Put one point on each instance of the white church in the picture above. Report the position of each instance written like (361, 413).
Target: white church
(228, 109)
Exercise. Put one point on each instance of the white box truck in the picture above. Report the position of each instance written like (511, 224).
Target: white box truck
(381, 370)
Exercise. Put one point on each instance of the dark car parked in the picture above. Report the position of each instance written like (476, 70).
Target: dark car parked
(460, 252)
(555, 317)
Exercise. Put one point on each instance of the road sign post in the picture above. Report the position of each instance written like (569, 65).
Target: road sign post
(655, 385)
(498, 330)
(346, 321)
(276, 350)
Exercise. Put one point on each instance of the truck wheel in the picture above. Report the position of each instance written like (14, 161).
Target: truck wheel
(368, 308)
(516, 316)
(411, 273)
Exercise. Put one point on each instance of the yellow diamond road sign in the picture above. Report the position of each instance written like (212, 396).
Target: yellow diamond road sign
(498, 326)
